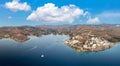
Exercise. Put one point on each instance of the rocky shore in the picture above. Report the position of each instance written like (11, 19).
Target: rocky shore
(88, 43)
(81, 37)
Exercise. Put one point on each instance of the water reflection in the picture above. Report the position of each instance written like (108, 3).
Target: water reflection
(51, 50)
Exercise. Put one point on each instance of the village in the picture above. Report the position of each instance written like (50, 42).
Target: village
(81, 38)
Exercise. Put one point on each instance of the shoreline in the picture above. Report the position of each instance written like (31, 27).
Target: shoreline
(83, 38)
(92, 44)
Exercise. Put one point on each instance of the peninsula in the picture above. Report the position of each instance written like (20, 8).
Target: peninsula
(83, 38)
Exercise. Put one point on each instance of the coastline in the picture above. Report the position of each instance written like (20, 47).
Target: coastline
(91, 44)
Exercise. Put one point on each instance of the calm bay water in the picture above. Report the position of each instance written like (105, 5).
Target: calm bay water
(54, 53)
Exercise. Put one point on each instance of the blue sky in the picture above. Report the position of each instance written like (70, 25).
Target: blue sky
(78, 12)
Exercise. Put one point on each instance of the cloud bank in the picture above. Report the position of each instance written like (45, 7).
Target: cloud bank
(111, 17)
(95, 20)
(109, 14)
(15, 6)
(51, 13)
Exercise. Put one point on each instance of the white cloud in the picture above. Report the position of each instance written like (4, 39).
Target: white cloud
(93, 20)
(109, 14)
(51, 13)
(110, 17)
(9, 17)
(86, 14)
(15, 5)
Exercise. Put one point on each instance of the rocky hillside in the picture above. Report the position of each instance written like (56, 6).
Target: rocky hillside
(88, 43)
(82, 37)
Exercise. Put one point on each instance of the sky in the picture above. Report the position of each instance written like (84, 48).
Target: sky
(59, 12)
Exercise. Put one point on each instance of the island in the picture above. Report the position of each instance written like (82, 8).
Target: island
(83, 38)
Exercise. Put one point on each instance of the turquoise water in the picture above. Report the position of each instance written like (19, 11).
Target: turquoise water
(50, 50)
